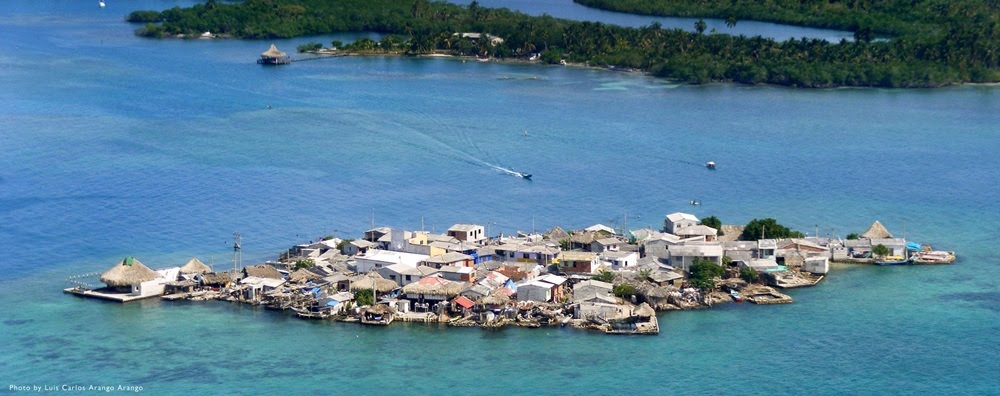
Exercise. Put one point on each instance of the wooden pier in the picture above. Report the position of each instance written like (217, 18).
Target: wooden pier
(116, 297)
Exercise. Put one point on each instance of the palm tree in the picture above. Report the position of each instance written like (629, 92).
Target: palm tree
(731, 21)
(700, 26)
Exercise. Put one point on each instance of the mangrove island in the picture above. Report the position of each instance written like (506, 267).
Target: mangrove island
(929, 44)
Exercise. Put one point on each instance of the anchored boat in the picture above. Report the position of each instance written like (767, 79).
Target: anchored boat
(895, 261)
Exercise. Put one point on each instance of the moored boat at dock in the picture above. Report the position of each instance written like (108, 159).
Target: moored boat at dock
(894, 261)
(934, 257)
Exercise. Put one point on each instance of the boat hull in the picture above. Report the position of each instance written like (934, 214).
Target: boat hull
(899, 262)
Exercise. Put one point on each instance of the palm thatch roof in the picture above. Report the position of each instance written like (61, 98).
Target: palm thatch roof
(645, 311)
(658, 292)
(302, 275)
(195, 266)
(556, 234)
(130, 271)
(495, 299)
(273, 52)
(380, 309)
(262, 271)
(877, 231)
(434, 286)
(216, 278)
(372, 281)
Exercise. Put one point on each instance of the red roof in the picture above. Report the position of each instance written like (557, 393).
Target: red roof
(464, 302)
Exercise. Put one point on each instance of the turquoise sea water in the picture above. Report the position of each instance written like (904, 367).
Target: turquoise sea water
(114, 145)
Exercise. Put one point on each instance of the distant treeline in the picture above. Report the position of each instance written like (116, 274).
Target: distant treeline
(955, 54)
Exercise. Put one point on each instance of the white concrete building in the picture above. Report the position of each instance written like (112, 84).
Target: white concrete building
(682, 256)
(676, 222)
(534, 290)
(620, 260)
(375, 259)
(467, 232)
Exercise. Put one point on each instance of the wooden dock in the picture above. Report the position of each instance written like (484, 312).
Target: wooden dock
(116, 297)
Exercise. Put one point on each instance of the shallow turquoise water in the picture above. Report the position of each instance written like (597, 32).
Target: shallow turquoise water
(114, 145)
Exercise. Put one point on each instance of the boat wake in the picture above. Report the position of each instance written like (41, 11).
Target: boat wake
(526, 176)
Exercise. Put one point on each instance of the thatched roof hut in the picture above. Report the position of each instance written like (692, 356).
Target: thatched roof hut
(658, 292)
(495, 299)
(372, 281)
(303, 275)
(273, 52)
(195, 266)
(877, 231)
(380, 309)
(130, 271)
(434, 286)
(262, 271)
(556, 234)
(216, 279)
(645, 311)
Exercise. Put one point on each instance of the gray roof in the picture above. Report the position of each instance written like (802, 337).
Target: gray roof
(404, 269)
(617, 255)
(449, 257)
(608, 241)
(465, 227)
(593, 283)
(361, 243)
(678, 216)
(698, 230)
(425, 270)
(696, 250)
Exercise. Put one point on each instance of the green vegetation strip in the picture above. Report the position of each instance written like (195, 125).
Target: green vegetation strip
(929, 48)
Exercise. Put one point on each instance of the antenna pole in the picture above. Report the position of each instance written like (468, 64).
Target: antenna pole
(237, 253)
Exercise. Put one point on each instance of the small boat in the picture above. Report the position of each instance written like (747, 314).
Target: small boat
(525, 176)
(894, 261)
(710, 165)
(695, 202)
(736, 296)
(934, 257)
(101, 3)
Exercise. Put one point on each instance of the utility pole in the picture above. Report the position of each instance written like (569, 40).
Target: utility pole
(237, 253)
(625, 226)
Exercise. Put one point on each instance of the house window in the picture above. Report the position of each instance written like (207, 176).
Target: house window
(408, 278)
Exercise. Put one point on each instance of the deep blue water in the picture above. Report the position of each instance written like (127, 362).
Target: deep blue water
(115, 145)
